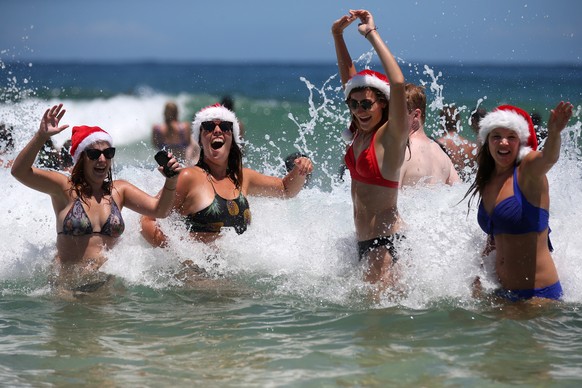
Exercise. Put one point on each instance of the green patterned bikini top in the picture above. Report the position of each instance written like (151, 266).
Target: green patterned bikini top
(221, 213)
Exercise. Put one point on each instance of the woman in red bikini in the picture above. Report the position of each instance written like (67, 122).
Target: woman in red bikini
(380, 119)
(88, 203)
(514, 199)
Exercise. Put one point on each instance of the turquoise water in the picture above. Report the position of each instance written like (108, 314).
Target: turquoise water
(286, 305)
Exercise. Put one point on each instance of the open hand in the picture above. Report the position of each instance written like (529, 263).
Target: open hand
(49, 125)
(559, 117)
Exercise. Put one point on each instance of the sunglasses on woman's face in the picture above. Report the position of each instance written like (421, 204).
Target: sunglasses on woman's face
(94, 154)
(365, 104)
(225, 126)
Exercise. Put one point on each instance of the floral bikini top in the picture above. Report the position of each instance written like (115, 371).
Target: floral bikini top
(77, 223)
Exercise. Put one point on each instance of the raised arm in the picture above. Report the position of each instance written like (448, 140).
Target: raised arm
(49, 182)
(287, 187)
(344, 60)
(398, 113)
(539, 163)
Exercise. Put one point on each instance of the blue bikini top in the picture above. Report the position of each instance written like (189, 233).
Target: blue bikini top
(513, 215)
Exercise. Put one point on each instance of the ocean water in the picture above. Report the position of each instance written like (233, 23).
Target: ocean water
(286, 304)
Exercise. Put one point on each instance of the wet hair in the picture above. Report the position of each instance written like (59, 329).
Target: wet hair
(170, 111)
(228, 103)
(81, 187)
(234, 169)
(416, 99)
(449, 118)
(477, 115)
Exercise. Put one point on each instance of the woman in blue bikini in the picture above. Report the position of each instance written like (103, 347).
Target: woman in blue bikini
(88, 203)
(379, 111)
(514, 199)
(212, 195)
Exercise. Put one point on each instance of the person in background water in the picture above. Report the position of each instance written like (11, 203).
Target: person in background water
(173, 135)
(6, 146)
(88, 203)
(514, 200)
(541, 132)
(477, 115)
(228, 103)
(425, 161)
(377, 103)
(213, 194)
(462, 152)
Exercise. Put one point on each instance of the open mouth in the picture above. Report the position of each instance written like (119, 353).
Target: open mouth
(217, 143)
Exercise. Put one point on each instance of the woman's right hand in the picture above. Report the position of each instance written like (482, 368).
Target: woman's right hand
(342, 23)
(49, 125)
(366, 21)
(559, 117)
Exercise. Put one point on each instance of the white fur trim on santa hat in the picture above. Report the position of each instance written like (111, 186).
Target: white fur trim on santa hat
(504, 119)
(368, 78)
(90, 139)
(510, 119)
(215, 112)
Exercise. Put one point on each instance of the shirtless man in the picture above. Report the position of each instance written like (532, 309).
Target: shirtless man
(462, 152)
(425, 162)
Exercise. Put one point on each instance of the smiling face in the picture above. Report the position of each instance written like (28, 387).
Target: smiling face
(504, 146)
(368, 120)
(98, 169)
(216, 140)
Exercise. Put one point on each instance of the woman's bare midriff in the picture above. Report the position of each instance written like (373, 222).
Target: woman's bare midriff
(79, 259)
(375, 211)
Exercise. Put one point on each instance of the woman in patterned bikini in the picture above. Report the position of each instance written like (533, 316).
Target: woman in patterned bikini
(88, 203)
(212, 195)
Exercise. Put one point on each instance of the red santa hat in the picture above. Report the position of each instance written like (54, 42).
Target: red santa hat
(215, 112)
(368, 78)
(514, 118)
(83, 136)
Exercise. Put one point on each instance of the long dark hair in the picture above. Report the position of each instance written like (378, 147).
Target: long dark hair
(80, 185)
(234, 168)
(485, 167)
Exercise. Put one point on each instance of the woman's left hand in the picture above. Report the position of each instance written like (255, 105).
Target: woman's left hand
(304, 165)
(559, 117)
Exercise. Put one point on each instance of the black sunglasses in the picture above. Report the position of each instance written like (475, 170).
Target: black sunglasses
(225, 126)
(365, 104)
(94, 154)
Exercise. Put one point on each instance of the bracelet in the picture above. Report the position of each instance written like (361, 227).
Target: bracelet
(373, 29)
(165, 188)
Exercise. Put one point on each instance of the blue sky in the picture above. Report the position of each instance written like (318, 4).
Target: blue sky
(492, 31)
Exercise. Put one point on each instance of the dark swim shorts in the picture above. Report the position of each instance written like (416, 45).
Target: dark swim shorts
(387, 241)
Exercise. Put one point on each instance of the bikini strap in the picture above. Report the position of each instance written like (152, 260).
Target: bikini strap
(209, 177)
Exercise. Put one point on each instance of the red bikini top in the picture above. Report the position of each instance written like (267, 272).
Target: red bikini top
(366, 169)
